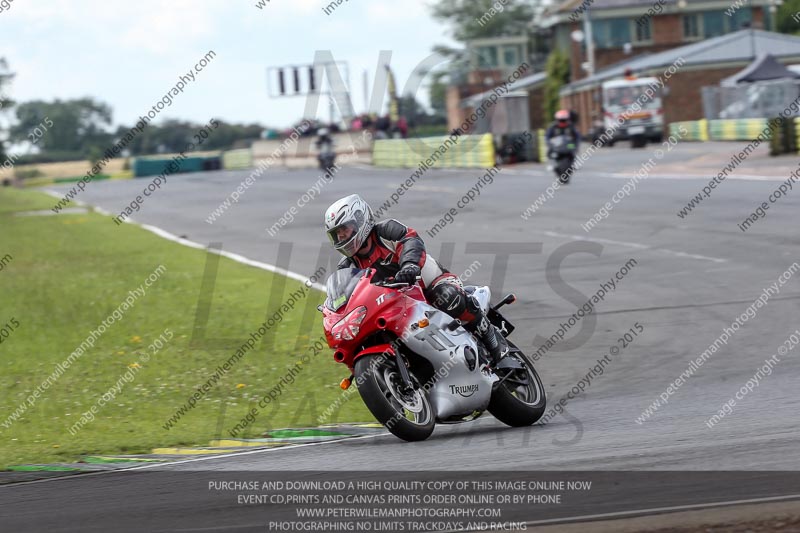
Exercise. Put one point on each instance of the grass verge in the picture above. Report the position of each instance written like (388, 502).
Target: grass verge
(69, 273)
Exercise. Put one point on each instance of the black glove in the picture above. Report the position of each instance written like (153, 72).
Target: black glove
(408, 274)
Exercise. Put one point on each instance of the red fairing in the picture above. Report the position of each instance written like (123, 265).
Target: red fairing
(371, 308)
(377, 349)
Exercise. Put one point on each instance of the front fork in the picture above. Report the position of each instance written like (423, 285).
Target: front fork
(402, 367)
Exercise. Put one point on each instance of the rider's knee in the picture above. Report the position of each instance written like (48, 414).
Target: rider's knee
(449, 298)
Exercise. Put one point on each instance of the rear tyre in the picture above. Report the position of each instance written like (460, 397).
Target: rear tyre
(519, 400)
(639, 141)
(406, 414)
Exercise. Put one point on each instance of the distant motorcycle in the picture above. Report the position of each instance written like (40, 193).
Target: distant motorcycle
(561, 151)
(327, 155)
(414, 365)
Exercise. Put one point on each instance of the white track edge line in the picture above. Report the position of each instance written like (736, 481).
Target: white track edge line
(649, 512)
(192, 460)
(191, 244)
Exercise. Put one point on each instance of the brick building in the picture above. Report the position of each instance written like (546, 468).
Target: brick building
(702, 63)
(714, 38)
(625, 28)
(488, 64)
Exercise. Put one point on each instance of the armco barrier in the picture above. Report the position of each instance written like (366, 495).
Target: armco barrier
(697, 130)
(745, 129)
(237, 159)
(470, 151)
(303, 150)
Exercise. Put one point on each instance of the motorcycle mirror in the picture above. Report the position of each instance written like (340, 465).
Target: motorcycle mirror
(319, 308)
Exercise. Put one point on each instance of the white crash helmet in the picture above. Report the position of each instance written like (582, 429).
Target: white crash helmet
(351, 211)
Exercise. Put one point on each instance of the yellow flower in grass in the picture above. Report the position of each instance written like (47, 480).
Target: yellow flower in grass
(241, 386)
(120, 352)
(134, 365)
(136, 338)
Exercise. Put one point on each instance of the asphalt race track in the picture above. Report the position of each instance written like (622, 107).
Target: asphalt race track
(691, 278)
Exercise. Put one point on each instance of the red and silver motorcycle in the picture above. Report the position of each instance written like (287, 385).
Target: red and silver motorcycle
(414, 365)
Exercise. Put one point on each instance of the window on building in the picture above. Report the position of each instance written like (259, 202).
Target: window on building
(742, 18)
(642, 30)
(487, 57)
(620, 31)
(713, 23)
(511, 56)
(691, 26)
(611, 33)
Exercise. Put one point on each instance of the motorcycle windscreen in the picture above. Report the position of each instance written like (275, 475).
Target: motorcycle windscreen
(340, 287)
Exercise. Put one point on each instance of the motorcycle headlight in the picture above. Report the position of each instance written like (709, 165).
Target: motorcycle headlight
(348, 327)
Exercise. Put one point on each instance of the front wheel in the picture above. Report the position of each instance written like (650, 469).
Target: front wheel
(406, 413)
(519, 398)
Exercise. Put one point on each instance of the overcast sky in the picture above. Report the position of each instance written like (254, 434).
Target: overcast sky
(129, 53)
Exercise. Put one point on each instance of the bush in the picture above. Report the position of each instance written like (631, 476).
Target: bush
(56, 156)
(557, 76)
(27, 173)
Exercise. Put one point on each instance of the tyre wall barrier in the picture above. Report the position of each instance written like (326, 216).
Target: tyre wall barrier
(465, 151)
(237, 159)
(786, 137)
(796, 145)
(783, 135)
(697, 130)
(542, 146)
(745, 129)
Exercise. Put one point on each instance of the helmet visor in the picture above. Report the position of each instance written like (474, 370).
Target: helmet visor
(344, 237)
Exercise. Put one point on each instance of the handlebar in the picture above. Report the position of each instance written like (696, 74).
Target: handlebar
(397, 285)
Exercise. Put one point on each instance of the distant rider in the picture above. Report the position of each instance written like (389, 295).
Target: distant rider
(325, 140)
(396, 250)
(563, 126)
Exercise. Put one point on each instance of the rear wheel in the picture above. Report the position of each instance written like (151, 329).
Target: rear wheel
(406, 413)
(519, 399)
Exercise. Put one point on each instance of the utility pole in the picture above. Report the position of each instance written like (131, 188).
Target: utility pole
(587, 31)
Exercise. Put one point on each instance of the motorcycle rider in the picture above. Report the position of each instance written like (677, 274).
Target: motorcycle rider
(394, 249)
(563, 126)
(327, 155)
(324, 139)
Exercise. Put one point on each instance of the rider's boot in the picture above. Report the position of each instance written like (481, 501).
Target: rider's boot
(490, 336)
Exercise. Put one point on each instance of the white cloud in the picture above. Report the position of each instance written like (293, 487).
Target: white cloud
(127, 53)
(151, 25)
(391, 12)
